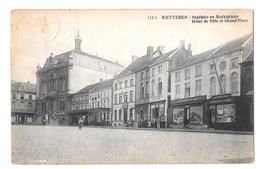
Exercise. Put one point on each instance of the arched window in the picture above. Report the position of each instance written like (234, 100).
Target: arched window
(159, 86)
(153, 88)
(234, 82)
(223, 81)
(212, 86)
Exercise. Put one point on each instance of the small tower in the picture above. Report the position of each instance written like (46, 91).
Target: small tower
(77, 42)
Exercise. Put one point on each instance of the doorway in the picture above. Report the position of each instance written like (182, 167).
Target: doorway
(125, 115)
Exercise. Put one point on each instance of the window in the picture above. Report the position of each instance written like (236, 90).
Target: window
(223, 82)
(120, 114)
(116, 86)
(153, 71)
(142, 76)
(187, 74)
(120, 98)
(147, 73)
(131, 82)
(22, 96)
(159, 69)
(147, 89)
(187, 89)
(234, 83)
(131, 96)
(177, 76)
(198, 87)
(159, 86)
(126, 84)
(115, 115)
(212, 86)
(14, 96)
(120, 85)
(226, 113)
(62, 105)
(177, 91)
(169, 83)
(153, 88)
(13, 105)
(212, 68)
(233, 63)
(63, 85)
(222, 65)
(142, 90)
(29, 106)
(198, 71)
(125, 97)
(21, 105)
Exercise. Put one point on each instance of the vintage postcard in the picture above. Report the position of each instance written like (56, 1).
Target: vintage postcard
(132, 86)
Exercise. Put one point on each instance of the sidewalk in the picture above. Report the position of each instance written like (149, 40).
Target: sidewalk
(178, 130)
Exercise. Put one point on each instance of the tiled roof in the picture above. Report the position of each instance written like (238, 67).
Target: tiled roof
(230, 45)
(23, 87)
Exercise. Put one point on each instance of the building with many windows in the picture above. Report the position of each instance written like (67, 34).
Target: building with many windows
(206, 87)
(65, 74)
(93, 104)
(23, 102)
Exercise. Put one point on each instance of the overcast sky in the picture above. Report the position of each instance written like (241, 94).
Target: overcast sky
(112, 34)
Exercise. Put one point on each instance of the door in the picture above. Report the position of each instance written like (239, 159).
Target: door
(186, 116)
(125, 116)
(212, 118)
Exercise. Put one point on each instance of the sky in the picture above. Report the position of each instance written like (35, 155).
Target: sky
(113, 34)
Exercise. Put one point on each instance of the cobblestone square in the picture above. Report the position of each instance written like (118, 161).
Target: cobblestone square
(69, 145)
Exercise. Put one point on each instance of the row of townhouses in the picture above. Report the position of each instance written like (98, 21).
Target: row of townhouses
(172, 89)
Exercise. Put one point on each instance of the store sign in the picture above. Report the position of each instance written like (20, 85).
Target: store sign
(221, 99)
(189, 100)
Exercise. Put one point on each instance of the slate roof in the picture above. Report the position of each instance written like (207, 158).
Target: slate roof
(142, 63)
(226, 47)
(103, 85)
(23, 87)
(87, 89)
(96, 86)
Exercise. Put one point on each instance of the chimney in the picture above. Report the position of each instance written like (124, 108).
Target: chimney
(134, 58)
(189, 50)
(150, 52)
(182, 44)
(161, 49)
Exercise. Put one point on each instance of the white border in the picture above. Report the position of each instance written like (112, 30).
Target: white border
(7, 6)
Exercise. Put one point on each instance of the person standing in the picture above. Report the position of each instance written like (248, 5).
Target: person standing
(80, 123)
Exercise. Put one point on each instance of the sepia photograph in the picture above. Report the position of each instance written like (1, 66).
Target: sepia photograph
(132, 86)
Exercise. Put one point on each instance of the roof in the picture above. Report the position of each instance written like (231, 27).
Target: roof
(23, 87)
(164, 56)
(103, 85)
(96, 86)
(226, 47)
(87, 89)
(250, 57)
(143, 62)
(96, 57)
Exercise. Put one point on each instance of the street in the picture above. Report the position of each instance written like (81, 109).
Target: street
(69, 145)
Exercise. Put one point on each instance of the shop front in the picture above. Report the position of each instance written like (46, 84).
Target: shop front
(157, 115)
(223, 112)
(22, 118)
(189, 113)
(143, 114)
(76, 115)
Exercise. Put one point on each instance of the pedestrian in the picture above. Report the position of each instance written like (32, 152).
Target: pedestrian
(80, 123)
